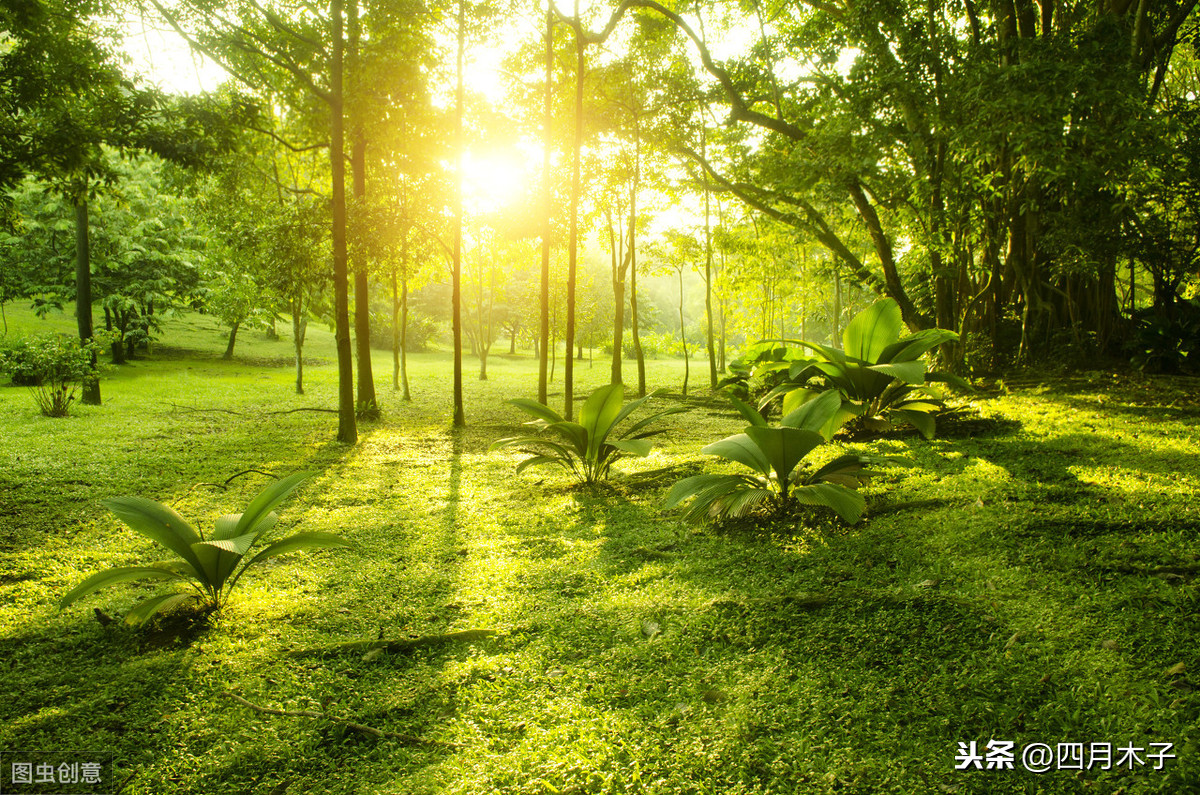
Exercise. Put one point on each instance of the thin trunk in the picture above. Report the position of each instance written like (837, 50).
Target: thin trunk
(573, 245)
(456, 298)
(299, 326)
(835, 334)
(708, 261)
(633, 194)
(619, 266)
(395, 328)
(358, 169)
(683, 337)
(83, 292)
(347, 422)
(547, 212)
(118, 349)
(404, 329)
(233, 330)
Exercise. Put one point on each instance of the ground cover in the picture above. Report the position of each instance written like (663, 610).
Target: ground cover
(1029, 576)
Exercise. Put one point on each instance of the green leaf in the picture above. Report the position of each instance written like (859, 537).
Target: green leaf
(266, 500)
(535, 409)
(113, 576)
(142, 611)
(300, 541)
(637, 426)
(915, 345)
(158, 523)
(751, 414)
(743, 449)
(814, 414)
(541, 460)
(227, 526)
(598, 414)
(847, 503)
(909, 372)
(920, 420)
(784, 447)
(638, 447)
(873, 330)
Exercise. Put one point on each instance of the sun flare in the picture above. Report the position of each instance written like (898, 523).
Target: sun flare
(492, 180)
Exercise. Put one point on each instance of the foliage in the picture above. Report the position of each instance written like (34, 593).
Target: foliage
(759, 369)
(880, 377)
(209, 566)
(1167, 344)
(775, 453)
(583, 448)
(54, 366)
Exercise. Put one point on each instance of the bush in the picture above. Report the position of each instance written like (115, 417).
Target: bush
(54, 366)
(1167, 345)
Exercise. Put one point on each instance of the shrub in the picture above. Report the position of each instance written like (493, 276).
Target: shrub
(1167, 344)
(208, 566)
(776, 453)
(54, 366)
(584, 448)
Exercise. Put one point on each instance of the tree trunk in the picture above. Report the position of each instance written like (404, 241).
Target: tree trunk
(633, 194)
(573, 244)
(299, 328)
(404, 328)
(358, 169)
(619, 266)
(683, 337)
(456, 297)
(233, 330)
(83, 292)
(547, 213)
(118, 349)
(347, 422)
(708, 275)
(637, 341)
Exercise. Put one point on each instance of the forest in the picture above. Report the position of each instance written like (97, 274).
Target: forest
(700, 396)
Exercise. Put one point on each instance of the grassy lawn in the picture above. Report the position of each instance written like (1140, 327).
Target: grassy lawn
(1029, 576)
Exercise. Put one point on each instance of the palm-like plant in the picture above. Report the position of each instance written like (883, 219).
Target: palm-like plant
(775, 453)
(879, 375)
(587, 449)
(209, 566)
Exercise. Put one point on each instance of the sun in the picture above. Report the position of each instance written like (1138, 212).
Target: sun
(492, 180)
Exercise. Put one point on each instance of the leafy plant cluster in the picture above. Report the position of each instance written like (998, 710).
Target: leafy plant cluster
(53, 366)
(1164, 343)
(881, 377)
(876, 381)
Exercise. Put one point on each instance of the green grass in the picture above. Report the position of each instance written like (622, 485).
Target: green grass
(1030, 576)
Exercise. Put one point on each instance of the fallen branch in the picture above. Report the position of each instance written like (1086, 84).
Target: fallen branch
(293, 411)
(193, 409)
(225, 486)
(359, 727)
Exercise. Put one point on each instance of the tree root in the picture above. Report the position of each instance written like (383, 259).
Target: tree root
(358, 727)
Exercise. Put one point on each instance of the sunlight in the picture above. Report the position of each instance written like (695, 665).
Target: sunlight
(493, 180)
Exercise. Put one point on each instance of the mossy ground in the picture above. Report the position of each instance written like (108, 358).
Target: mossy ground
(1029, 576)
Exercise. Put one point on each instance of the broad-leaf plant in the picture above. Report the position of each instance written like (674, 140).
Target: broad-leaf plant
(781, 478)
(880, 375)
(588, 448)
(209, 567)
